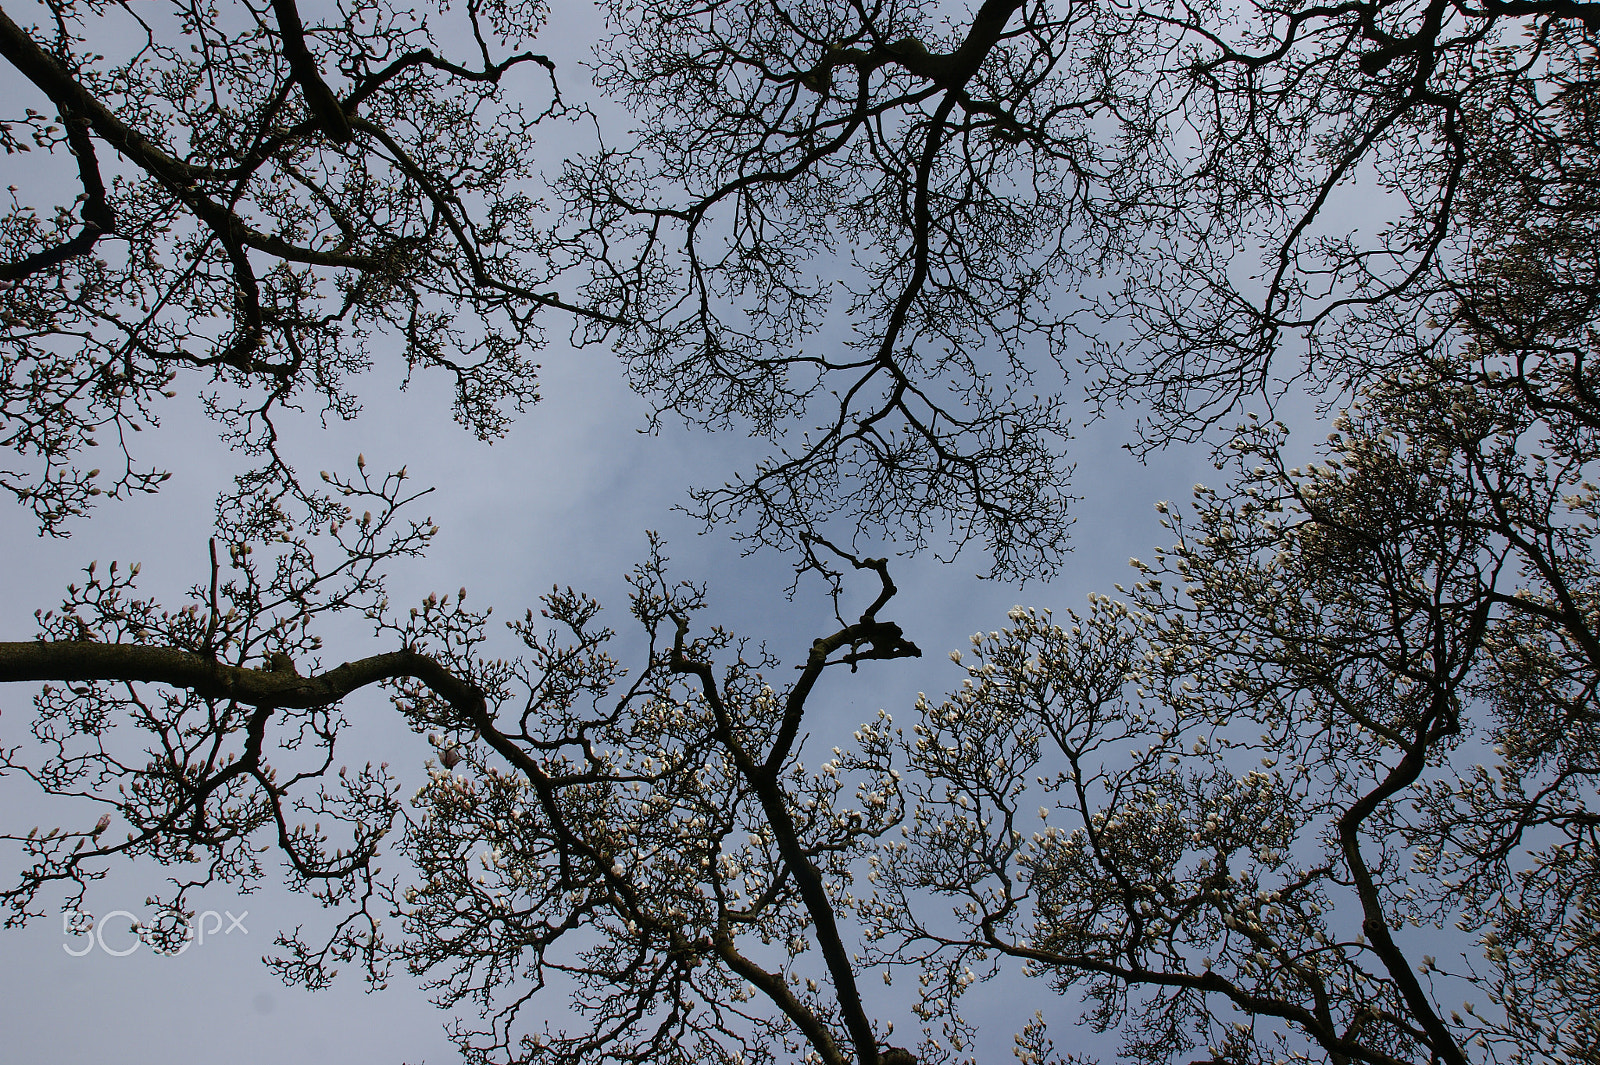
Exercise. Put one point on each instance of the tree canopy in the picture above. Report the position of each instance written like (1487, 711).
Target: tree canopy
(1320, 773)
(231, 214)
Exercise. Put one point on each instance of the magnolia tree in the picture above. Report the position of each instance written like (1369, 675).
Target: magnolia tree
(235, 200)
(1318, 785)
(649, 839)
(889, 232)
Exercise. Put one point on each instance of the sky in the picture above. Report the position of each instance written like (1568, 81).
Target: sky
(564, 499)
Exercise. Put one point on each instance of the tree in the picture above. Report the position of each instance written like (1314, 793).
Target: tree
(1464, 125)
(257, 198)
(946, 181)
(933, 180)
(605, 810)
(1374, 629)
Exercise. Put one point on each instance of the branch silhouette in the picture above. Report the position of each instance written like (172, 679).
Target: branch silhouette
(80, 660)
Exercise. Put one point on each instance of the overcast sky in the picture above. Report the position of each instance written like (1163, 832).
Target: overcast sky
(565, 498)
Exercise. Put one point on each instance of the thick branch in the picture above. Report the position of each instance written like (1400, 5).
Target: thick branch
(950, 71)
(774, 987)
(45, 71)
(73, 660)
(319, 97)
(96, 213)
(1376, 926)
(886, 641)
(181, 179)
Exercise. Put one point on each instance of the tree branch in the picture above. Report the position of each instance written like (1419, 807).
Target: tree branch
(77, 660)
(319, 97)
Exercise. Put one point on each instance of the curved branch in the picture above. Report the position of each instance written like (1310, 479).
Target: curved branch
(79, 660)
(98, 218)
